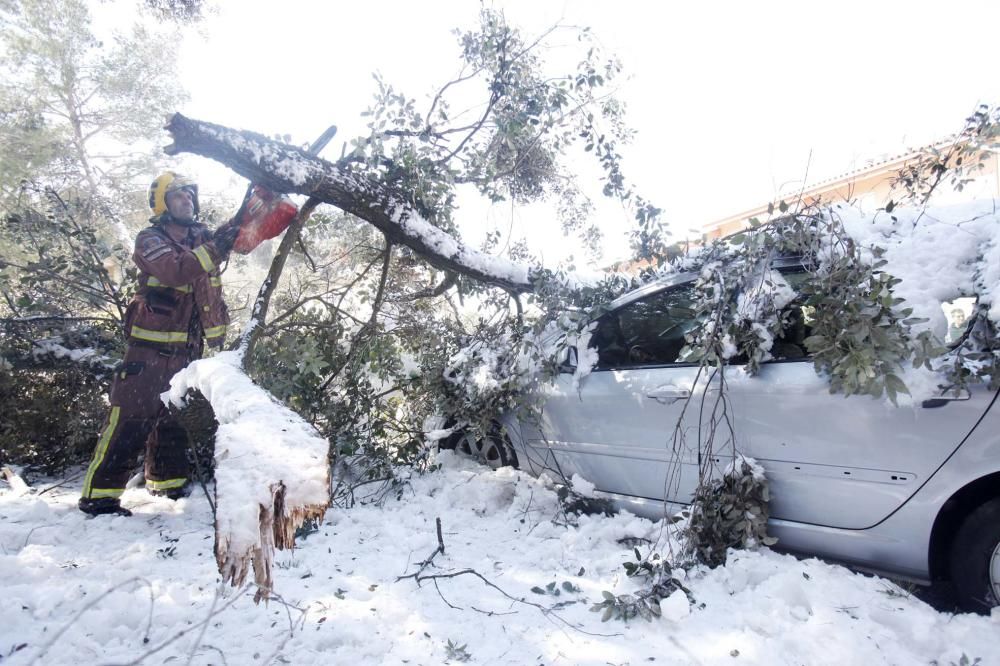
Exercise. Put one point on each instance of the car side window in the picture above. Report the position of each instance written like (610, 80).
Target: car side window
(649, 331)
(796, 327)
(959, 314)
(796, 324)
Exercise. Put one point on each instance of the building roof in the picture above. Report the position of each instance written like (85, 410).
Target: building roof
(873, 167)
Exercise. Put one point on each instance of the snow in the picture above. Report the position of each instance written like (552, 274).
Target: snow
(581, 486)
(447, 246)
(54, 347)
(735, 468)
(259, 444)
(938, 254)
(279, 160)
(763, 292)
(341, 599)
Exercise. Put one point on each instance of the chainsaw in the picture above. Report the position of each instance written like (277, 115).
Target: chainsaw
(265, 214)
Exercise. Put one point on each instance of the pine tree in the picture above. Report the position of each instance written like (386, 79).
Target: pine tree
(80, 121)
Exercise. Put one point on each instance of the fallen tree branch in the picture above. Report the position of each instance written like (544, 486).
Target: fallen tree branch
(434, 578)
(545, 610)
(285, 168)
(14, 480)
(266, 485)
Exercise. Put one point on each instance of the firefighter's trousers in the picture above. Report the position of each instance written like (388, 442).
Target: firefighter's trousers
(138, 418)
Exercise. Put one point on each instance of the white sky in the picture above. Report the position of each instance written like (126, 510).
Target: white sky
(733, 101)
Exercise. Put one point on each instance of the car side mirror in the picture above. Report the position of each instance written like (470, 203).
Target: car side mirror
(569, 361)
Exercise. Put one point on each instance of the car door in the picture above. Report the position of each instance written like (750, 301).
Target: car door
(627, 427)
(839, 461)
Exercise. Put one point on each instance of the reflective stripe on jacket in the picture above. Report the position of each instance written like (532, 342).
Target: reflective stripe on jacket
(180, 291)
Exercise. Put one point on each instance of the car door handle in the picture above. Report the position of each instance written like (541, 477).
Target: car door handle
(668, 394)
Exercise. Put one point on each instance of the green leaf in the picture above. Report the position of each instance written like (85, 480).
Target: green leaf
(896, 384)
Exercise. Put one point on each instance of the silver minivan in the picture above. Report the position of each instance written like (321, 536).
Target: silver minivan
(910, 491)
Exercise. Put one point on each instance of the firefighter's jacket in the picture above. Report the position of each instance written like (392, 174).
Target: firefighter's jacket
(179, 299)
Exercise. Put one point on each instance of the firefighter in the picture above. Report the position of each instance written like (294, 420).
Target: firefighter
(177, 309)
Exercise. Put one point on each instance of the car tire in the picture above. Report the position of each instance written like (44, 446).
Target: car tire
(975, 559)
(494, 450)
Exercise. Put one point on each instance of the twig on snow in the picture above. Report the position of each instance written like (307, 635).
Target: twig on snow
(546, 611)
(447, 603)
(300, 622)
(93, 602)
(28, 535)
(180, 634)
(427, 562)
(204, 628)
(61, 483)
(492, 613)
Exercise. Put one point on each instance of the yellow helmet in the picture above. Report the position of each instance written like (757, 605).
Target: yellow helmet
(166, 182)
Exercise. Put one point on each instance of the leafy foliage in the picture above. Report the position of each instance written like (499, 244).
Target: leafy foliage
(660, 583)
(859, 337)
(50, 416)
(956, 162)
(730, 512)
(181, 11)
(456, 652)
(513, 144)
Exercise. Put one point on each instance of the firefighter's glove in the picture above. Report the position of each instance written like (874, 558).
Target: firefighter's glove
(225, 236)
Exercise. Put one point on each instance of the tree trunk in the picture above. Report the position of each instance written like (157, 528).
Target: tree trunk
(278, 524)
(285, 168)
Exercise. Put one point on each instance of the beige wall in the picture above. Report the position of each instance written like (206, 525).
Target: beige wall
(872, 189)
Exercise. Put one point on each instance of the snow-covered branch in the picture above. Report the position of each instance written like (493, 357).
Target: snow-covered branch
(271, 472)
(286, 168)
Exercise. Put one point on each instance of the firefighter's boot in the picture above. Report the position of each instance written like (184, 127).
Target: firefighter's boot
(102, 505)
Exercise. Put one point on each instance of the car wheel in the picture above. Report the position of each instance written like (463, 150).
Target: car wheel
(975, 559)
(494, 450)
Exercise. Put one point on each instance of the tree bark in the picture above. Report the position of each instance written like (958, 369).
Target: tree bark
(285, 168)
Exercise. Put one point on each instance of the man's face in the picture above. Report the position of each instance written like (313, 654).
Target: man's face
(180, 204)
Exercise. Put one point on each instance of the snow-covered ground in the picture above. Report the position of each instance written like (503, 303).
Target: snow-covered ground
(79, 590)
